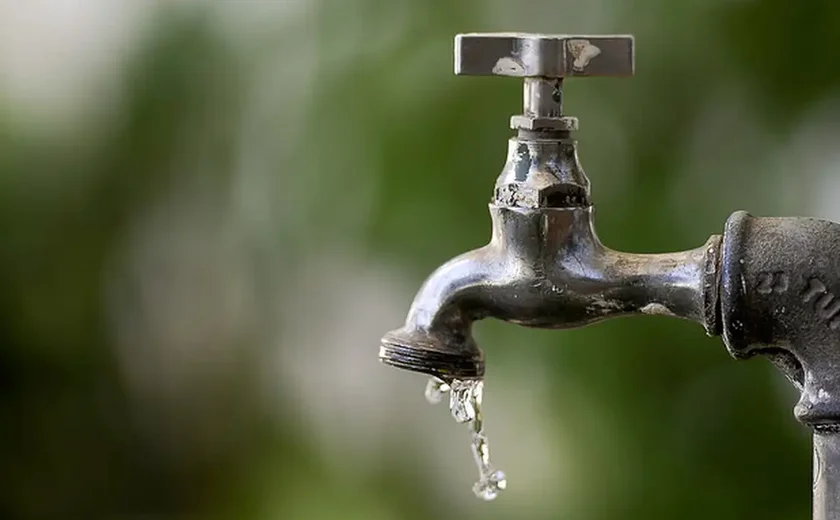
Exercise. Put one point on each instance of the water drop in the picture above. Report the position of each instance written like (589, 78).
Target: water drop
(463, 401)
(435, 389)
(490, 481)
(465, 407)
(489, 486)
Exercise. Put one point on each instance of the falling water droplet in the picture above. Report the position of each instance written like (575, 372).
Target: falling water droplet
(465, 398)
(490, 481)
(465, 407)
(435, 389)
(489, 486)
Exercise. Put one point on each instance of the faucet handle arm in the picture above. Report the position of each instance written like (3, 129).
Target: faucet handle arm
(543, 60)
(524, 55)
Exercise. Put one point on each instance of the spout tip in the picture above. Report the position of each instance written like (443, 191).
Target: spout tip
(430, 354)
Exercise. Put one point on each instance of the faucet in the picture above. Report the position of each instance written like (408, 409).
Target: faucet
(768, 286)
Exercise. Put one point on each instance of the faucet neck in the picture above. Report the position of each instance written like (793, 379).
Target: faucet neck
(539, 236)
(542, 170)
(543, 97)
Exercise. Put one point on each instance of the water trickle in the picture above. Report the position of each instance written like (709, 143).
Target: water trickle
(465, 406)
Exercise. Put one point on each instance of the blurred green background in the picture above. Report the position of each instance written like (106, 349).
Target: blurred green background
(211, 211)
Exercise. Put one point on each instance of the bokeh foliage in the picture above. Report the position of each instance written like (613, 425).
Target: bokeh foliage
(387, 131)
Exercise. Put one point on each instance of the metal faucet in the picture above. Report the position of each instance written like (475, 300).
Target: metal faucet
(768, 286)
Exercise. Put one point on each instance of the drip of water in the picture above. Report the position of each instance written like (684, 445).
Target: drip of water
(465, 406)
(435, 390)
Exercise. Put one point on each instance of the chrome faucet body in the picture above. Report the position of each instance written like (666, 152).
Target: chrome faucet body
(768, 286)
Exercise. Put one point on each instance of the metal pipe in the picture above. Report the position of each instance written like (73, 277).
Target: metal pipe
(827, 475)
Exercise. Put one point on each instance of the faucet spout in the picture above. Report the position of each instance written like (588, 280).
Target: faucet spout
(437, 338)
(544, 268)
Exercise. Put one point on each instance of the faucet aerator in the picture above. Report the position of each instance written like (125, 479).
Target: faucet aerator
(430, 354)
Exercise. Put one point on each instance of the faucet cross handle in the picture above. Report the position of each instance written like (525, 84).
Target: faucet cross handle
(524, 55)
(543, 61)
